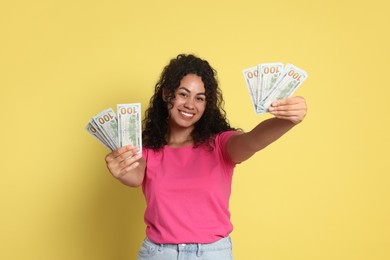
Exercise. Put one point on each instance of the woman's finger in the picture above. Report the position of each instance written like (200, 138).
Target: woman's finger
(286, 107)
(118, 152)
(129, 160)
(289, 101)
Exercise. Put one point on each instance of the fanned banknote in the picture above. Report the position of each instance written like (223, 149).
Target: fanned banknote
(129, 125)
(251, 80)
(94, 130)
(286, 84)
(114, 132)
(268, 82)
(268, 74)
(108, 124)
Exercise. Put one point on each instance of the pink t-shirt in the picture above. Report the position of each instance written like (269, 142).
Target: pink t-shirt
(187, 193)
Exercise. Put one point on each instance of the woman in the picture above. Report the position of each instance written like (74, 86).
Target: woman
(189, 154)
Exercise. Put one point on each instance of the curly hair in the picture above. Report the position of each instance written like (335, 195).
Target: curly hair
(212, 122)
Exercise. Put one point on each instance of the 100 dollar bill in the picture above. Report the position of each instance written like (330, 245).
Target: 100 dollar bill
(286, 84)
(268, 75)
(93, 129)
(115, 132)
(129, 125)
(108, 125)
(251, 80)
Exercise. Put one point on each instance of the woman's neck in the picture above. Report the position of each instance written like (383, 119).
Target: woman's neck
(180, 138)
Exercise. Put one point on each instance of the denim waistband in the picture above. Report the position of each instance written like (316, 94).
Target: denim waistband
(223, 243)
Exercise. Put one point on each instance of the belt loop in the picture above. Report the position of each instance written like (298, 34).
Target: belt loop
(161, 247)
(198, 251)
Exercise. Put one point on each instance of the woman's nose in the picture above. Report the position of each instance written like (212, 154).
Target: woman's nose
(189, 103)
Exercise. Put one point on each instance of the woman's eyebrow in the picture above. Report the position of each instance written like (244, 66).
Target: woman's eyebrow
(187, 90)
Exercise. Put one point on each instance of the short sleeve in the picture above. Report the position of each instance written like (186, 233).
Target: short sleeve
(145, 153)
(221, 142)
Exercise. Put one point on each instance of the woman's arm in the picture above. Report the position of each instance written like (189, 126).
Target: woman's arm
(126, 165)
(288, 113)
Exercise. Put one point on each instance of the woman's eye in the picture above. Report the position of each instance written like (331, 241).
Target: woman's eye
(200, 99)
(183, 94)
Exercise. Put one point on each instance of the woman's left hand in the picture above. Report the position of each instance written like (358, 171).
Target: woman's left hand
(293, 109)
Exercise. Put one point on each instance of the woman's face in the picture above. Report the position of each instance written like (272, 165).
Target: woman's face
(189, 103)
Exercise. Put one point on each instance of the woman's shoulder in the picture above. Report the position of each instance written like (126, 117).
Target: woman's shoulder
(225, 135)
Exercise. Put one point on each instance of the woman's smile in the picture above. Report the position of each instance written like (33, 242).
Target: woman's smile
(186, 115)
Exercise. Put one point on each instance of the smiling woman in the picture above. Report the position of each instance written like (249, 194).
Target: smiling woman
(189, 154)
(184, 77)
(188, 107)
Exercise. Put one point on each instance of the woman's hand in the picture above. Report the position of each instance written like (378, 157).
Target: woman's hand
(293, 109)
(123, 161)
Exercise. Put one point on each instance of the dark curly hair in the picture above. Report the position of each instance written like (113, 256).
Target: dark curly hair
(212, 122)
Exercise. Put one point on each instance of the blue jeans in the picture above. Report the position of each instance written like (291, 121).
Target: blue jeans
(219, 250)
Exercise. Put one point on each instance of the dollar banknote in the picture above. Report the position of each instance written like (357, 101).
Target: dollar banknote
(268, 74)
(94, 130)
(114, 132)
(129, 125)
(108, 125)
(268, 82)
(251, 80)
(286, 84)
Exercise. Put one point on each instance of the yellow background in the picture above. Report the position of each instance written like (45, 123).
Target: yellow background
(321, 192)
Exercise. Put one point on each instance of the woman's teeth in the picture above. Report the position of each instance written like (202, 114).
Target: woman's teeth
(186, 114)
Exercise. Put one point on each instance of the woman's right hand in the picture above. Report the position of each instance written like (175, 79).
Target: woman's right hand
(125, 160)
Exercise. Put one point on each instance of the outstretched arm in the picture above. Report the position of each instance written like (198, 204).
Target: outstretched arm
(288, 113)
